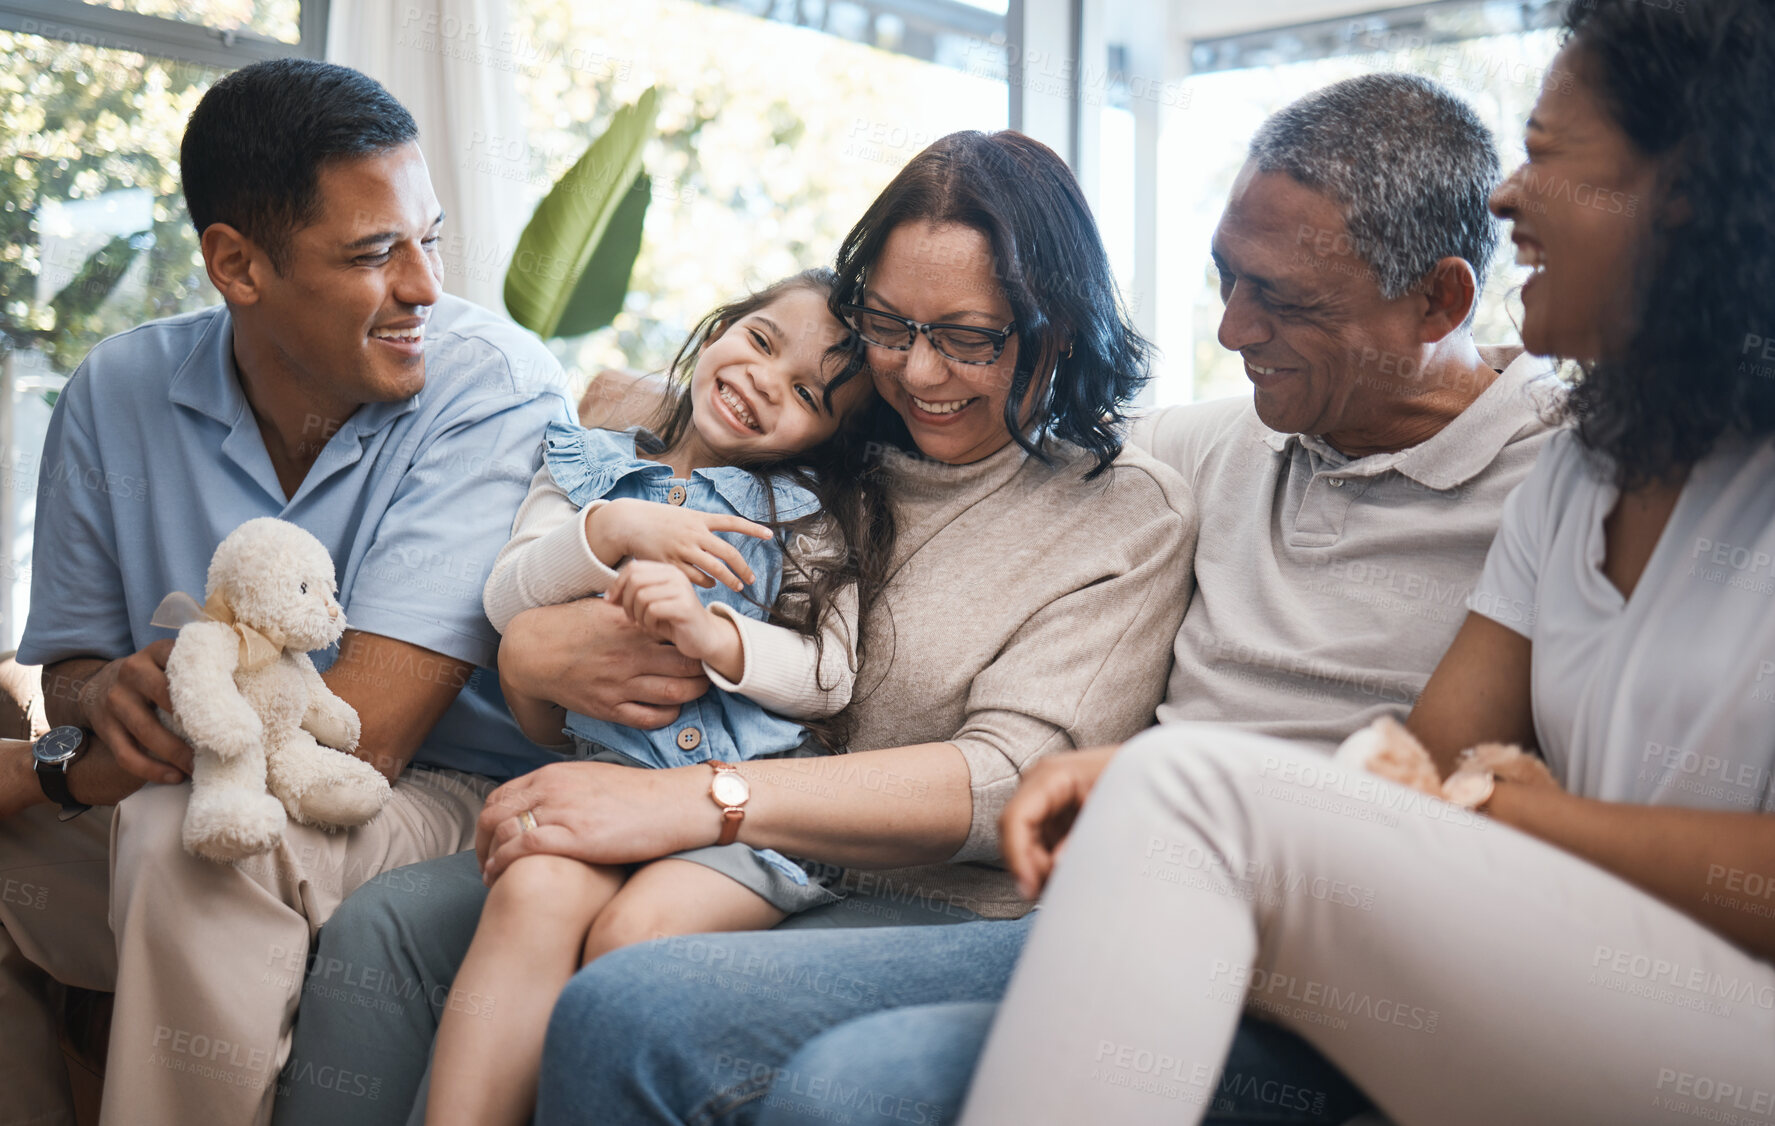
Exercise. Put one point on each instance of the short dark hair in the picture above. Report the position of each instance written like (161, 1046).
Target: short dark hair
(1691, 83)
(1048, 258)
(1411, 164)
(256, 142)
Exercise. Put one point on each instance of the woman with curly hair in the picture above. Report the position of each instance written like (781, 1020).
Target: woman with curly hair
(1597, 946)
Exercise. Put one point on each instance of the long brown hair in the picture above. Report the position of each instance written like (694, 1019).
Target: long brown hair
(844, 473)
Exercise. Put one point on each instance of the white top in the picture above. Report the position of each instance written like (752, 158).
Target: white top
(1668, 697)
(1328, 587)
(549, 561)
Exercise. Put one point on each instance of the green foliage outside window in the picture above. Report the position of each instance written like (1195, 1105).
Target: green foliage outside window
(76, 124)
(770, 142)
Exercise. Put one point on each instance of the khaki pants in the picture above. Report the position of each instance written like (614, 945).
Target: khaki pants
(207, 960)
(53, 903)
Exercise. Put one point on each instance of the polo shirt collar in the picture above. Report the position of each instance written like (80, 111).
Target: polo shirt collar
(1459, 451)
(209, 383)
(206, 382)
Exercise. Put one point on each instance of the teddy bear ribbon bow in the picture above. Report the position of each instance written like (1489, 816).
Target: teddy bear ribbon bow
(258, 647)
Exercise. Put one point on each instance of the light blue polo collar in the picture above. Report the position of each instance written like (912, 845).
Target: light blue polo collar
(209, 383)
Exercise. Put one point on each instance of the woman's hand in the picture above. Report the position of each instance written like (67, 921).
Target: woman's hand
(587, 657)
(599, 813)
(664, 533)
(1036, 820)
(660, 600)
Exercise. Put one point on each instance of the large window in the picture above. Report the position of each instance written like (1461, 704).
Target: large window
(93, 232)
(773, 139)
(276, 20)
(1203, 147)
(779, 124)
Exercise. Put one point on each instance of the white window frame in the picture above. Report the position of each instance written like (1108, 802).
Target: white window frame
(1049, 45)
(112, 29)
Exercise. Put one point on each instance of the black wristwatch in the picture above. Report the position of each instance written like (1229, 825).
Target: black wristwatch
(52, 755)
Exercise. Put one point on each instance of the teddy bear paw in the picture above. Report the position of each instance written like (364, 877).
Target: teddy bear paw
(226, 825)
(355, 793)
(339, 730)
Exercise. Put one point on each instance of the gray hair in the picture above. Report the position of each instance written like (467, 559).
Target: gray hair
(1410, 163)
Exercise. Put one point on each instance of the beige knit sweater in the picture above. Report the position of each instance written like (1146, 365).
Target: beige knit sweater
(1028, 611)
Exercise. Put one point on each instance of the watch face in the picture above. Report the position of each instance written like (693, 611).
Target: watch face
(729, 788)
(59, 745)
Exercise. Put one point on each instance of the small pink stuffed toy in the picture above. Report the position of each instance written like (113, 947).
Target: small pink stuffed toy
(1386, 748)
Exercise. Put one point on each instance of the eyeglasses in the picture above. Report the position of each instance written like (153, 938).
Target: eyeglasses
(965, 344)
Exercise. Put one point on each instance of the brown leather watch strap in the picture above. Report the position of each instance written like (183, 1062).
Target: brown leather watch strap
(732, 813)
(730, 825)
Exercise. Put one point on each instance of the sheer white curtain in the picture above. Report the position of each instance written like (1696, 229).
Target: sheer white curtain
(450, 62)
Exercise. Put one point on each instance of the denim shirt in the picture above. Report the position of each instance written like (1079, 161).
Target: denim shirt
(592, 465)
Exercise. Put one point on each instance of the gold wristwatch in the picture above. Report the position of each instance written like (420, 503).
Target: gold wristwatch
(729, 790)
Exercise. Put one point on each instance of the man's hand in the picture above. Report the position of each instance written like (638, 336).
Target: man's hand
(596, 812)
(682, 537)
(116, 702)
(659, 599)
(95, 779)
(1035, 822)
(589, 658)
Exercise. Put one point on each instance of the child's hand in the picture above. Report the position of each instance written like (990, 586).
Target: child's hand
(658, 598)
(682, 537)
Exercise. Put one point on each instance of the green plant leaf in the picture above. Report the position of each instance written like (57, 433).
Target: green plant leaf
(96, 278)
(598, 297)
(558, 244)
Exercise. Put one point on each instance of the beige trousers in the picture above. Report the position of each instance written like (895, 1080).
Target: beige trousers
(53, 901)
(1460, 972)
(207, 959)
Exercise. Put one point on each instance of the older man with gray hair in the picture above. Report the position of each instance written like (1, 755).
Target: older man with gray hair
(1346, 510)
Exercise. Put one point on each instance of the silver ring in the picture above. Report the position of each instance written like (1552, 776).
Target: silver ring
(527, 819)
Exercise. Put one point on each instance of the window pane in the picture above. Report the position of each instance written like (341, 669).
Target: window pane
(1204, 147)
(773, 141)
(93, 238)
(266, 19)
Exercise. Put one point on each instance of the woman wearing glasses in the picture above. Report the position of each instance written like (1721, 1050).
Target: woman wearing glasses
(1038, 578)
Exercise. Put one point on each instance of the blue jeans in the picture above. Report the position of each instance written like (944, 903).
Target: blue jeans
(866, 1025)
(381, 974)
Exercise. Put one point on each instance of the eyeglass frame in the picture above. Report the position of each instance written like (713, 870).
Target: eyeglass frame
(998, 336)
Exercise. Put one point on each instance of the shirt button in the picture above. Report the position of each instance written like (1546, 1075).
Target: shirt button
(690, 738)
(1337, 482)
(676, 496)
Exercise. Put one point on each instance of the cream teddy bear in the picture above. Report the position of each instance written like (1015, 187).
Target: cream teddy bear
(1386, 748)
(261, 722)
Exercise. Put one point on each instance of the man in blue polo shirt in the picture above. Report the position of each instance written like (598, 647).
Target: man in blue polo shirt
(337, 388)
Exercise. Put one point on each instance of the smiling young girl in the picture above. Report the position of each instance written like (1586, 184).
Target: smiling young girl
(752, 439)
